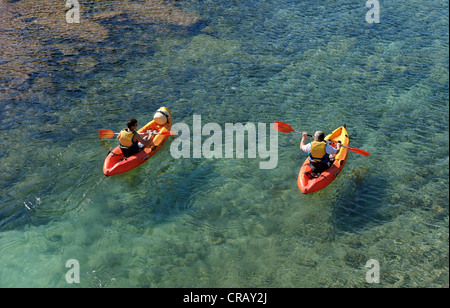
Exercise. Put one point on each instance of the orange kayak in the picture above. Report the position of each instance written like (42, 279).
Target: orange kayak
(307, 183)
(116, 163)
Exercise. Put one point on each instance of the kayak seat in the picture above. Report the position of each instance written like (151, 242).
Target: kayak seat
(128, 151)
(113, 154)
(312, 175)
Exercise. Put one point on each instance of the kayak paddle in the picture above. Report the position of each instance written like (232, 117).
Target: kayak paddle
(107, 133)
(359, 151)
(286, 128)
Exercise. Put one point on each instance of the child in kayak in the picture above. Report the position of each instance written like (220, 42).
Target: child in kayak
(162, 122)
(321, 154)
(130, 140)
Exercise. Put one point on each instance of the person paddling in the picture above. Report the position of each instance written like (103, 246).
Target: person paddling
(321, 154)
(129, 139)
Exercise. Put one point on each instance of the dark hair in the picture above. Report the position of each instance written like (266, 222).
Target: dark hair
(131, 123)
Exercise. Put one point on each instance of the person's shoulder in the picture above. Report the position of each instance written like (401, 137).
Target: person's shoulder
(306, 147)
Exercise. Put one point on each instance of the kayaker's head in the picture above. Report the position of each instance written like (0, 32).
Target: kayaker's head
(162, 116)
(319, 135)
(132, 124)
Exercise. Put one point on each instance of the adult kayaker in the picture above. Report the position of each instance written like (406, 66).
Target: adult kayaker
(129, 139)
(321, 154)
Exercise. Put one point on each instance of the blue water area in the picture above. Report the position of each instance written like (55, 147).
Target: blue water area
(225, 222)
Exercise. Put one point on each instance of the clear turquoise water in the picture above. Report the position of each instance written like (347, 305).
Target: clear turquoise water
(225, 222)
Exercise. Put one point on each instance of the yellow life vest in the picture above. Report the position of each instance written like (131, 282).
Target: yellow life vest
(318, 152)
(126, 137)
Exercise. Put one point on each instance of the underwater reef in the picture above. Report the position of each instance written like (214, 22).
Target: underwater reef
(36, 40)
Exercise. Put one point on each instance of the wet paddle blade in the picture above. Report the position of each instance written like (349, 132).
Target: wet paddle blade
(359, 151)
(105, 133)
(282, 127)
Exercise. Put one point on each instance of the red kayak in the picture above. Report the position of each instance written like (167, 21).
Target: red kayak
(307, 183)
(116, 162)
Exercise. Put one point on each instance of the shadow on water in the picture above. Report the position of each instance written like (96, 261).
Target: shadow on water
(358, 207)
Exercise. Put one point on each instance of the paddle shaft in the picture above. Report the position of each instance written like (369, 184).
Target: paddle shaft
(301, 133)
(142, 134)
(286, 128)
(355, 150)
(107, 133)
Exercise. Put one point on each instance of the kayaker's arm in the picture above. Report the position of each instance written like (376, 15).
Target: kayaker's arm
(338, 146)
(146, 140)
(142, 140)
(302, 143)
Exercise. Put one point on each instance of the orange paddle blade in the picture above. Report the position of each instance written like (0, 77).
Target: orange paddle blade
(359, 151)
(282, 127)
(356, 150)
(105, 133)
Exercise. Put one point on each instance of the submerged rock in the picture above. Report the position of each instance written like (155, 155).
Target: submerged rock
(32, 31)
(157, 11)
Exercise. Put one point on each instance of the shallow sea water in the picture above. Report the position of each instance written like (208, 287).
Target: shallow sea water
(225, 222)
